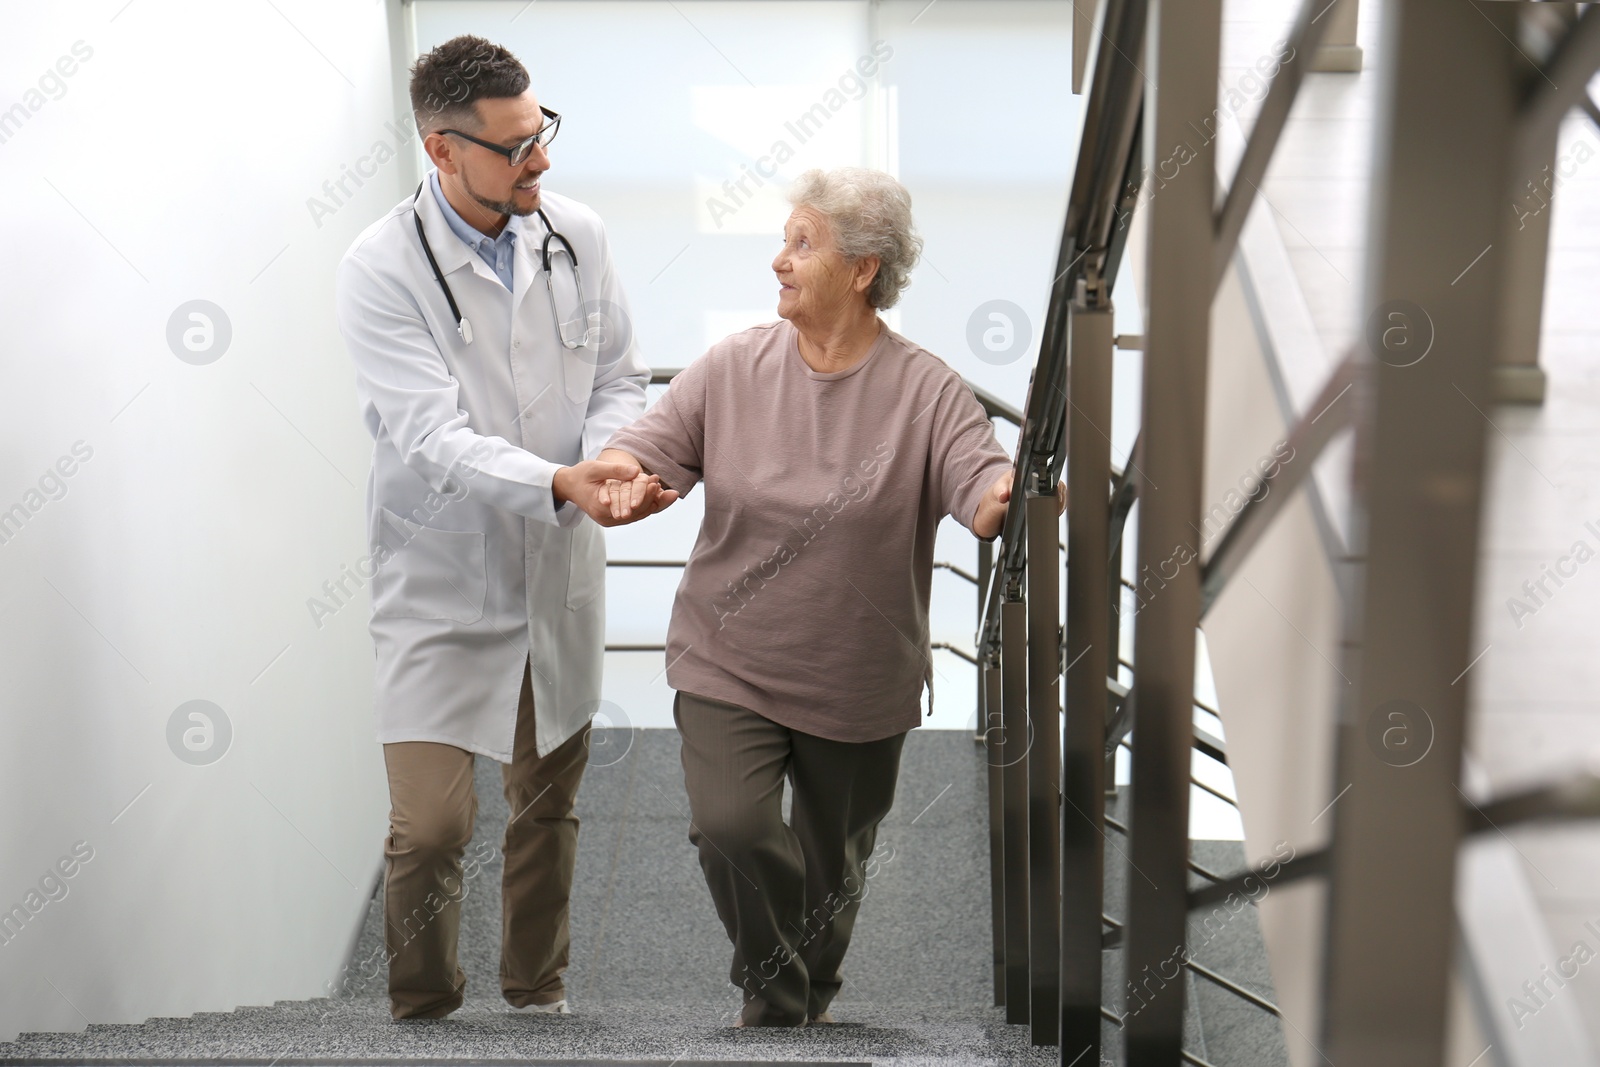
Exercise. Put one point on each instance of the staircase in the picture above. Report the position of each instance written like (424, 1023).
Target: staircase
(647, 980)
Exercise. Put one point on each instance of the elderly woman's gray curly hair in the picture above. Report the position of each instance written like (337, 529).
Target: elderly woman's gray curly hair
(870, 213)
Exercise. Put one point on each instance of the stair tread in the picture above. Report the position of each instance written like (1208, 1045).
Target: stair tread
(599, 1030)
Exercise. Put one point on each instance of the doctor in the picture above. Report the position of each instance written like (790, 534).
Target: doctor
(488, 385)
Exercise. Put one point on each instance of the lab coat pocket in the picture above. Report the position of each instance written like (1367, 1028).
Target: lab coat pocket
(577, 370)
(430, 573)
(586, 571)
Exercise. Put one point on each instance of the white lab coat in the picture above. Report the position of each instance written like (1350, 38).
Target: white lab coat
(476, 570)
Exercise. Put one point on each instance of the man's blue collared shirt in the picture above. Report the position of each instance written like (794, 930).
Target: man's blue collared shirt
(498, 252)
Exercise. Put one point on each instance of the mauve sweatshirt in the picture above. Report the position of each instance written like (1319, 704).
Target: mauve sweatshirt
(806, 596)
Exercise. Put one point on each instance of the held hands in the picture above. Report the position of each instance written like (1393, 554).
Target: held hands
(635, 498)
(991, 514)
(612, 490)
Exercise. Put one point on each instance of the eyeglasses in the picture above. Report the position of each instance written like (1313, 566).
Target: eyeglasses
(518, 153)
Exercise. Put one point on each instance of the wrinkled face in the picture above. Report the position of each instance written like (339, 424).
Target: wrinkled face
(815, 282)
(488, 178)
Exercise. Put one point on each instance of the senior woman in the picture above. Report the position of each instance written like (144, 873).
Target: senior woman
(830, 447)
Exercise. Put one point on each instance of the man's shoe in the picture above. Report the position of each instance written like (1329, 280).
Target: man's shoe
(557, 1008)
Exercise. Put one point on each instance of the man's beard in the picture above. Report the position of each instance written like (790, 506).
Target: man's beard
(499, 207)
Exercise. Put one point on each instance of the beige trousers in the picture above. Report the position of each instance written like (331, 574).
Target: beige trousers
(787, 893)
(432, 809)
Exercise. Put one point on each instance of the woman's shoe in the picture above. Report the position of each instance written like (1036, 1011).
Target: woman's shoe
(556, 1008)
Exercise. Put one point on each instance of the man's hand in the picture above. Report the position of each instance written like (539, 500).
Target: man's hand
(585, 484)
(991, 515)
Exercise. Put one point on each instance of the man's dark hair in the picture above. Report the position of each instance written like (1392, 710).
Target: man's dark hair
(447, 81)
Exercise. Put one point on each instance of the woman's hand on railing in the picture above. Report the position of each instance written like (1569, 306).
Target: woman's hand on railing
(991, 516)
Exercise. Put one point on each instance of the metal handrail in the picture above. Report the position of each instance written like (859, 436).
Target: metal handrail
(1107, 170)
(1101, 175)
(1104, 191)
(1193, 781)
(1205, 872)
(1571, 798)
(940, 565)
(1232, 987)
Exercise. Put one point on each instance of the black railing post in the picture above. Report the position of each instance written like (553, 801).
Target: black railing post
(1044, 765)
(1014, 728)
(1181, 53)
(1089, 658)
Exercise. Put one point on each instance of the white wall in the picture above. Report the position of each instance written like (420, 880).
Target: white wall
(206, 505)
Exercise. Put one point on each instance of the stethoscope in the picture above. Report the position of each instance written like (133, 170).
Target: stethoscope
(463, 326)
